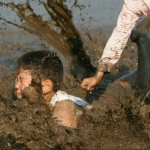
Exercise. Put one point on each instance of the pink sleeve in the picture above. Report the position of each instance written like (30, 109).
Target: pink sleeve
(118, 39)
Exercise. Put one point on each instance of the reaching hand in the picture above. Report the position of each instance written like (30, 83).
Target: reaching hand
(89, 83)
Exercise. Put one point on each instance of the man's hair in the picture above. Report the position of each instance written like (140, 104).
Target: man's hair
(52, 69)
(43, 65)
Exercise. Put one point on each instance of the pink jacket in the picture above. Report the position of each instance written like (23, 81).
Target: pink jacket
(131, 11)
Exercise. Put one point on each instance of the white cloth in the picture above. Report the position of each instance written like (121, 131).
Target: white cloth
(61, 95)
(132, 10)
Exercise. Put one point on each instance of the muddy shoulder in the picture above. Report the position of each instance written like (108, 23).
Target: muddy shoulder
(31, 127)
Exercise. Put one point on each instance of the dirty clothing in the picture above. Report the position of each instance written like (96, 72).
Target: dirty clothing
(132, 10)
(61, 95)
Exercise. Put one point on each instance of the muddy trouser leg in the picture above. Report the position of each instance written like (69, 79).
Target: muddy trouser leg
(142, 84)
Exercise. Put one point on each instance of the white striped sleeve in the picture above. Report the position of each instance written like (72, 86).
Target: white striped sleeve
(120, 36)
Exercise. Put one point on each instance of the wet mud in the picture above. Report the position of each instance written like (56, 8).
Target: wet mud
(110, 124)
(59, 32)
(117, 120)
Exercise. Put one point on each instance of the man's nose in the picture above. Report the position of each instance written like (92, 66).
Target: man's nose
(17, 85)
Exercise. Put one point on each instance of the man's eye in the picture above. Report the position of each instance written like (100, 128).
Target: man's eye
(22, 81)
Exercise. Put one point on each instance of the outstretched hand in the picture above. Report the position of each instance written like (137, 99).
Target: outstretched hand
(88, 84)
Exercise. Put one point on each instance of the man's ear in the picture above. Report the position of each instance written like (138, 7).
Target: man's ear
(47, 86)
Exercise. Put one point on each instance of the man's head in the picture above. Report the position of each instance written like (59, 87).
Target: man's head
(22, 81)
(36, 66)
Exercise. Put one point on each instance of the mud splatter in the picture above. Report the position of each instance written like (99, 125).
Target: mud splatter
(26, 126)
(59, 32)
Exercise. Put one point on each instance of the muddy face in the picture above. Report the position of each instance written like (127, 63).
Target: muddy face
(33, 125)
(22, 81)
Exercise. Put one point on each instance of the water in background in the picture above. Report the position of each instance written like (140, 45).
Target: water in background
(93, 13)
(87, 15)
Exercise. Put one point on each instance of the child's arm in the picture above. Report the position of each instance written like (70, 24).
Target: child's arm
(117, 41)
(64, 112)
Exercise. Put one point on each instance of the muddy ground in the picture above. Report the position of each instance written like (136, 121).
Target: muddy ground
(24, 126)
(113, 122)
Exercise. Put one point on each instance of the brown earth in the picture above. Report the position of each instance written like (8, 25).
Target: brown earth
(112, 123)
(24, 126)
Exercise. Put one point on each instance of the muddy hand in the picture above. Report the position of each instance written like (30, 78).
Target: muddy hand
(88, 84)
(31, 94)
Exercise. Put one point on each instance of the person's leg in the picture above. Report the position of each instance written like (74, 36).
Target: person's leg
(143, 72)
(128, 80)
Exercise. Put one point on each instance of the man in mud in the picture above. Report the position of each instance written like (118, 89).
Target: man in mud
(37, 70)
(40, 73)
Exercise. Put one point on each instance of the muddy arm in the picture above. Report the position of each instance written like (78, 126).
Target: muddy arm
(64, 113)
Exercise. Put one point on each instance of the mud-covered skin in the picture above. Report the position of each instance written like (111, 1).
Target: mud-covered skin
(32, 95)
(33, 126)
